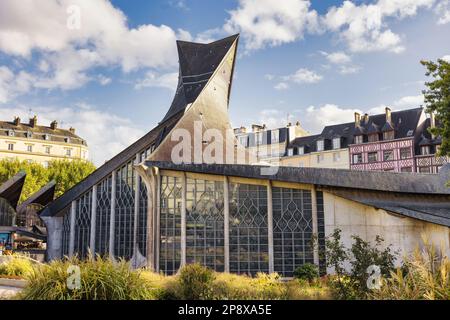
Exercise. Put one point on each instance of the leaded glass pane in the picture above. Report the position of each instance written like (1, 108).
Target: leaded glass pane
(142, 219)
(7, 214)
(170, 225)
(292, 229)
(124, 213)
(321, 237)
(66, 232)
(204, 223)
(248, 229)
(103, 216)
(82, 224)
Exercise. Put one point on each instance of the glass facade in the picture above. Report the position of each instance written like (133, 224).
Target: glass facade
(205, 223)
(124, 213)
(82, 225)
(248, 229)
(292, 230)
(170, 225)
(103, 216)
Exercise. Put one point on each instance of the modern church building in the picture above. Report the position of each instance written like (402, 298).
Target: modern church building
(189, 192)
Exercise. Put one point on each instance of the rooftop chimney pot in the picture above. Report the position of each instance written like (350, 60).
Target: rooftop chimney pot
(16, 121)
(33, 121)
(357, 119)
(54, 125)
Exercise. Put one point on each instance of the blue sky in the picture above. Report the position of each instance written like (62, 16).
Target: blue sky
(113, 75)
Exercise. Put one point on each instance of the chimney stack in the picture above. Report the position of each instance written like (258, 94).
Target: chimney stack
(33, 122)
(72, 130)
(357, 119)
(388, 114)
(366, 118)
(16, 121)
(54, 125)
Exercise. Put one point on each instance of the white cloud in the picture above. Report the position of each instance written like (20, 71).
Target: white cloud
(67, 55)
(152, 79)
(443, 10)
(342, 60)
(302, 76)
(338, 57)
(106, 134)
(315, 118)
(446, 58)
(281, 86)
(271, 22)
(12, 84)
(364, 28)
(350, 69)
(409, 102)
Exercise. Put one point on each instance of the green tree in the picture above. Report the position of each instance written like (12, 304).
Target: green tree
(68, 173)
(65, 173)
(437, 99)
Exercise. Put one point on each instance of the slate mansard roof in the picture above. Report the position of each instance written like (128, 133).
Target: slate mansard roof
(405, 124)
(38, 132)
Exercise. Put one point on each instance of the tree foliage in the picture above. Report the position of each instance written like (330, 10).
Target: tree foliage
(66, 174)
(437, 99)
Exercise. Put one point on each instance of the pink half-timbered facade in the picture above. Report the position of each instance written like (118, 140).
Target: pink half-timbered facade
(394, 155)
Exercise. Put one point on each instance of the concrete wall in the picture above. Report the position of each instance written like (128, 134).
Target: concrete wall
(54, 237)
(405, 234)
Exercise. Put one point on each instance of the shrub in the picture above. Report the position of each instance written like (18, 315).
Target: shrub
(195, 282)
(352, 283)
(16, 266)
(101, 279)
(424, 275)
(308, 272)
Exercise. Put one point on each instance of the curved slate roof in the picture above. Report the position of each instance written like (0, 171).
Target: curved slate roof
(198, 62)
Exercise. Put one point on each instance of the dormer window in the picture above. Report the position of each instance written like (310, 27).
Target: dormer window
(29, 134)
(336, 143)
(46, 137)
(67, 140)
(11, 133)
(290, 152)
(259, 138)
(373, 137)
(243, 141)
(359, 139)
(275, 136)
(301, 150)
(388, 135)
(320, 145)
(425, 150)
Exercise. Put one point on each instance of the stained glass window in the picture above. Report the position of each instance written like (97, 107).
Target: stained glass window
(292, 229)
(204, 223)
(142, 219)
(248, 229)
(103, 216)
(321, 230)
(82, 224)
(170, 225)
(124, 212)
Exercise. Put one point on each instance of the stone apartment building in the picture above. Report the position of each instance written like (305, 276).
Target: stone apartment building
(33, 142)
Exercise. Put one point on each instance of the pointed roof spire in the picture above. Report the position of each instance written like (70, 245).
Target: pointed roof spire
(198, 62)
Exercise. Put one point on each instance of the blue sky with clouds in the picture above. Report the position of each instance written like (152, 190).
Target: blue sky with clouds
(113, 78)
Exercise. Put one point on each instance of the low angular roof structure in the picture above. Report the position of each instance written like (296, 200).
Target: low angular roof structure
(12, 189)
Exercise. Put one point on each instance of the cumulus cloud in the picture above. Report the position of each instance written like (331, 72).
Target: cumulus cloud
(302, 76)
(343, 62)
(107, 134)
(364, 28)
(271, 22)
(67, 53)
(152, 79)
(442, 9)
(12, 84)
(281, 86)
